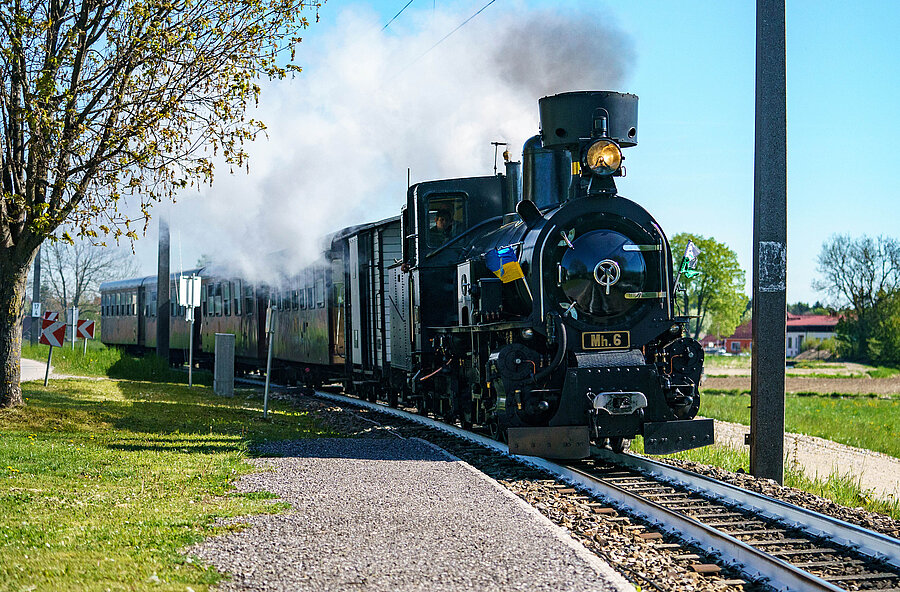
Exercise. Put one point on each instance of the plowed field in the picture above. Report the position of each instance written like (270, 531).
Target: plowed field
(797, 384)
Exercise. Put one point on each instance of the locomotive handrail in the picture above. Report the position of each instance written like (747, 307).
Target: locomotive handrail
(468, 231)
(664, 268)
(560, 352)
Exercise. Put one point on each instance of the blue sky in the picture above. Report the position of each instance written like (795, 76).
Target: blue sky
(691, 63)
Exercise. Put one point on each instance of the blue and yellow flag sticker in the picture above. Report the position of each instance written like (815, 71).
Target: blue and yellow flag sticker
(504, 263)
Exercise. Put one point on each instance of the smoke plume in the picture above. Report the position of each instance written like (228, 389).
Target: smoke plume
(372, 103)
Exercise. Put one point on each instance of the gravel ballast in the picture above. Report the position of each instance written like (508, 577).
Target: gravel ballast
(391, 514)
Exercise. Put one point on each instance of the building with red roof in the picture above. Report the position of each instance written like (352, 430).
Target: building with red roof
(799, 329)
(803, 327)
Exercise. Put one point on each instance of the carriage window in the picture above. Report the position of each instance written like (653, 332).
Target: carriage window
(295, 299)
(248, 299)
(320, 289)
(301, 294)
(337, 290)
(447, 217)
(226, 298)
(236, 291)
(118, 307)
(337, 281)
(218, 299)
(203, 300)
(309, 298)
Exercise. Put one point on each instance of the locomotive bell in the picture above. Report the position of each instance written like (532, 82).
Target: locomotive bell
(569, 119)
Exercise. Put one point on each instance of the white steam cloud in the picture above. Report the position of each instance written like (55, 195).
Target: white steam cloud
(342, 134)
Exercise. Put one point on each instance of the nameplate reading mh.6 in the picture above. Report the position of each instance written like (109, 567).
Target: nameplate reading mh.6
(606, 340)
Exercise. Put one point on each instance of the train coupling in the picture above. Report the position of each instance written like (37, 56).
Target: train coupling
(617, 403)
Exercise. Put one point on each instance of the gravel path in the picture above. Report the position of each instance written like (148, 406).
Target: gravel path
(875, 471)
(390, 514)
(32, 370)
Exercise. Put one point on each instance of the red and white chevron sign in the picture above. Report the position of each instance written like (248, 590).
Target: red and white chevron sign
(53, 333)
(51, 316)
(85, 329)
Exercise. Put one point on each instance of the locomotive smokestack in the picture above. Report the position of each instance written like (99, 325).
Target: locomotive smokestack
(591, 127)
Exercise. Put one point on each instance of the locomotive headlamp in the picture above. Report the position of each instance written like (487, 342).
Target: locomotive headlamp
(603, 157)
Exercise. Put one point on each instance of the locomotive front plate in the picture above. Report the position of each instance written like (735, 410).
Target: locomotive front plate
(606, 340)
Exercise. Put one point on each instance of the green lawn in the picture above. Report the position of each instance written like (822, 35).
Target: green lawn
(103, 482)
(860, 421)
(109, 361)
(713, 361)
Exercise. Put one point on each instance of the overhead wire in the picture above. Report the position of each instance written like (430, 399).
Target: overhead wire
(461, 25)
(445, 37)
(398, 14)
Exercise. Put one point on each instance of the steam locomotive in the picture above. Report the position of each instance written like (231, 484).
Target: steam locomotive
(537, 303)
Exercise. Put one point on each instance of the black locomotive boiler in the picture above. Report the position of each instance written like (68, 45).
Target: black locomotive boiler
(538, 303)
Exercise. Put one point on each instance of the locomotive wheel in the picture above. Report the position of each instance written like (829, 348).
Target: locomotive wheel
(393, 398)
(619, 444)
(497, 433)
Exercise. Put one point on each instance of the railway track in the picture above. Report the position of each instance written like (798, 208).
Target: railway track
(768, 541)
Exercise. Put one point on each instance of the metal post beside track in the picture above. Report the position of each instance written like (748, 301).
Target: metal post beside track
(769, 245)
(191, 355)
(47, 371)
(270, 330)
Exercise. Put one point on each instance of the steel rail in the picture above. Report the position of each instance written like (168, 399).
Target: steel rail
(757, 564)
(864, 541)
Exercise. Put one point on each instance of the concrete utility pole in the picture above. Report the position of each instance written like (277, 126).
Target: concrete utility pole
(163, 307)
(769, 246)
(36, 297)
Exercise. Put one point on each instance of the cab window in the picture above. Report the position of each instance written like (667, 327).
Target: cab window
(447, 218)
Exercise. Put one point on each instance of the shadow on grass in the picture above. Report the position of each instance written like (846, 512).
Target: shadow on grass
(154, 369)
(146, 416)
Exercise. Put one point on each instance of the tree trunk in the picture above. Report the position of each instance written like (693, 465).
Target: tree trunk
(12, 299)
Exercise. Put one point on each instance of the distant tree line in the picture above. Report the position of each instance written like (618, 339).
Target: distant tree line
(861, 278)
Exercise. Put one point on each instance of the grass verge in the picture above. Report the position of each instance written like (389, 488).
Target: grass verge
(855, 420)
(843, 489)
(112, 362)
(102, 482)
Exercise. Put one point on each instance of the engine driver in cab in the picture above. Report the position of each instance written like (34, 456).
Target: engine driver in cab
(442, 231)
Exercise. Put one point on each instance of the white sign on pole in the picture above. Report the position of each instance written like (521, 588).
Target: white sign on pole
(35, 309)
(189, 294)
(189, 298)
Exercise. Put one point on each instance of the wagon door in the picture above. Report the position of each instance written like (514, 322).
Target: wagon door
(355, 303)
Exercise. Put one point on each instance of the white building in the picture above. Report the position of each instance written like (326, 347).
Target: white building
(803, 327)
